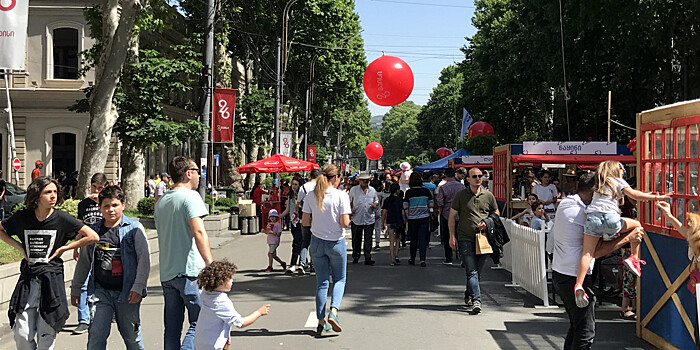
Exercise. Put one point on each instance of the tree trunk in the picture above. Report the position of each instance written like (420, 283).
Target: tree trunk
(133, 175)
(118, 23)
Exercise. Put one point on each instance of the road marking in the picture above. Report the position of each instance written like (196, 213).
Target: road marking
(311, 322)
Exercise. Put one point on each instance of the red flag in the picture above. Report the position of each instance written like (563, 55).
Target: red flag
(311, 153)
(224, 108)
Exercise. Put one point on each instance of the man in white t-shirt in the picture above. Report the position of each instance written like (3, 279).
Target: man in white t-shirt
(364, 201)
(304, 190)
(546, 192)
(405, 175)
(567, 235)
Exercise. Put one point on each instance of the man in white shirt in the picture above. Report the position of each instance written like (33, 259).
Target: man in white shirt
(363, 201)
(568, 247)
(546, 192)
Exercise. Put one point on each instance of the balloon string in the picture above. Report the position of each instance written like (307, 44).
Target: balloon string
(382, 53)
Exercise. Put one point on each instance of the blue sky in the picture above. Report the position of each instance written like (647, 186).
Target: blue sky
(427, 34)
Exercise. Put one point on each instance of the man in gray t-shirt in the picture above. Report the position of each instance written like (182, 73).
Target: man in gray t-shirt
(184, 250)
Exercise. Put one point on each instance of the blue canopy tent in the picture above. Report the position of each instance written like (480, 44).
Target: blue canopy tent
(441, 165)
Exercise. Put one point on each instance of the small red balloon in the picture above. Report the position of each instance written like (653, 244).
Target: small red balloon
(480, 128)
(443, 152)
(388, 81)
(374, 150)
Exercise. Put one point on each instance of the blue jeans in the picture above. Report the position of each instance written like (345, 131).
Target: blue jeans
(328, 257)
(472, 264)
(180, 293)
(103, 306)
(420, 235)
(83, 309)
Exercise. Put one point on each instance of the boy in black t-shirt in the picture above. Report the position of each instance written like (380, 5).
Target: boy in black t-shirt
(117, 269)
(37, 307)
(88, 213)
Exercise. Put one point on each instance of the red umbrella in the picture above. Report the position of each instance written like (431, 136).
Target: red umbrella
(277, 163)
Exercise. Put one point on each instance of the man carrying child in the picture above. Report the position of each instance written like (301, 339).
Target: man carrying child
(117, 266)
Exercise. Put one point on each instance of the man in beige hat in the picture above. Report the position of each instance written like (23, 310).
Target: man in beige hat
(363, 201)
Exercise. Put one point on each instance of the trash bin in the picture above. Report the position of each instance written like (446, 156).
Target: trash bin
(244, 226)
(253, 225)
(233, 222)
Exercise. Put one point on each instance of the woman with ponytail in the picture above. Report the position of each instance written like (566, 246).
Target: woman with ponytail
(330, 209)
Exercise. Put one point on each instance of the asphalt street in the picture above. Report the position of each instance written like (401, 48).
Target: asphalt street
(385, 307)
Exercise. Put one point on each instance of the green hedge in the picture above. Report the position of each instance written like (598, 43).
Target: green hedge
(70, 206)
(146, 205)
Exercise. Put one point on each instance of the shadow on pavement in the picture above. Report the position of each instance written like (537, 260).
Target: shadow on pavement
(263, 332)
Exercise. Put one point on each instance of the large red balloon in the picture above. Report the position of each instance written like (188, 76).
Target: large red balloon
(480, 128)
(374, 150)
(443, 152)
(388, 81)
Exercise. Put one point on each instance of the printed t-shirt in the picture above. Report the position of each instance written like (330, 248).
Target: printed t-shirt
(417, 200)
(430, 186)
(545, 193)
(108, 269)
(41, 239)
(178, 252)
(394, 208)
(275, 227)
(472, 208)
(89, 211)
(607, 203)
(326, 224)
(161, 188)
(294, 217)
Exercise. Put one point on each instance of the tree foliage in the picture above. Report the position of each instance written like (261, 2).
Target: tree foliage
(480, 144)
(440, 119)
(400, 131)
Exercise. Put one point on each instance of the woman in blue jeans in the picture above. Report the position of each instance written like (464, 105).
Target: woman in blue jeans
(418, 202)
(330, 209)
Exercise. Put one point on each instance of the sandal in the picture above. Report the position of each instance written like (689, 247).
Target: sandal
(628, 315)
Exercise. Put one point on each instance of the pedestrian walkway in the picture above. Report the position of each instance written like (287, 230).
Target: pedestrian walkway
(385, 307)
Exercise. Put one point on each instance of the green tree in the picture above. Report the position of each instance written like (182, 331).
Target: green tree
(480, 144)
(400, 131)
(440, 120)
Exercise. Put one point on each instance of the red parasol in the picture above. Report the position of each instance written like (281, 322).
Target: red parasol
(277, 163)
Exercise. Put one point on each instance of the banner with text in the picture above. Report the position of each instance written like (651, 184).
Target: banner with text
(286, 143)
(13, 33)
(570, 147)
(477, 159)
(311, 153)
(224, 110)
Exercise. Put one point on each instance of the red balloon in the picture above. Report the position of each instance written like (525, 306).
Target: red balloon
(388, 81)
(374, 150)
(443, 152)
(480, 128)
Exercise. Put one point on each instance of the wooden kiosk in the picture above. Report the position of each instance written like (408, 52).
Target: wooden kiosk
(668, 157)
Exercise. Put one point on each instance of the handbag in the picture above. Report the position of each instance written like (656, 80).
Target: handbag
(482, 244)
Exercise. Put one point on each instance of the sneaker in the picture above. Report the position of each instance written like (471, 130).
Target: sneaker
(300, 270)
(355, 260)
(369, 262)
(633, 263)
(397, 261)
(392, 264)
(580, 296)
(376, 248)
(476, 308)
(322, 328)
(447, 262)
(268, 269)
(411, 262)
(423, 264)
(335, 323)
(291, 270)
(82, 328)
(284, 265)
(468, 300)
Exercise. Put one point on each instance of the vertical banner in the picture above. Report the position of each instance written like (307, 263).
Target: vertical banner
(311, 153)
(224, 109)
(13, 33)
(286, 143)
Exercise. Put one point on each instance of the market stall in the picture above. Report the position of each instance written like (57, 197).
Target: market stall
(276, 163)
(581, 154)
(668, 161)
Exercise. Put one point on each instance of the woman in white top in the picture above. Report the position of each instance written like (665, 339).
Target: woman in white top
(331, 210)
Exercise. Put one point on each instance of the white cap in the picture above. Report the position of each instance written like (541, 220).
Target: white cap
(405, 165)
(273, 212)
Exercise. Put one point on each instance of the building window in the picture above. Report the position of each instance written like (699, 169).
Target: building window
(65, 53)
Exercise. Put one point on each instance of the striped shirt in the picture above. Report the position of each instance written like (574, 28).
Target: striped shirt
(416, 202)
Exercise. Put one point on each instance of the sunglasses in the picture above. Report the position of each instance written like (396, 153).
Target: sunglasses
(194, 169)
(477, 176)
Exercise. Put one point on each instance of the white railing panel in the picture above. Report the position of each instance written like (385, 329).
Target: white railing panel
(527, 259)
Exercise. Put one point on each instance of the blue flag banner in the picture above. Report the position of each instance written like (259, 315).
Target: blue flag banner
(466, 121)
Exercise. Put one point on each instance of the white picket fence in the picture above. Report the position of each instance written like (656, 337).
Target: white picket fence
(524, 258)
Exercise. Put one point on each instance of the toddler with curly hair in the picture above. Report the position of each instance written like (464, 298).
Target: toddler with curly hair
(217, 313)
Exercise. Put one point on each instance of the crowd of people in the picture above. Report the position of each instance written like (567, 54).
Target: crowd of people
(113, 258)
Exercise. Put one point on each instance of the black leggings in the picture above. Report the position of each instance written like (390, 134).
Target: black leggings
(296, 243)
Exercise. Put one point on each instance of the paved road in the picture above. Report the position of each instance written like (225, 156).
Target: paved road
(385, 307)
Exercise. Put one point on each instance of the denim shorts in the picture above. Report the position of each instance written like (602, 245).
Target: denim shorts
(273, 248)
(606, 225)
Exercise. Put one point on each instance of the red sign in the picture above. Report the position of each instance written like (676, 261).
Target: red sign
(16, 164)
(311, 153)
(223, 110)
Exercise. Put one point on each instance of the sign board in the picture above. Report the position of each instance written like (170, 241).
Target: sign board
(216, 160)
(16, 164)
(477, 159)
(286, 143)
(572, 147)
(224, 106)
(13, 33)
(311, 153)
